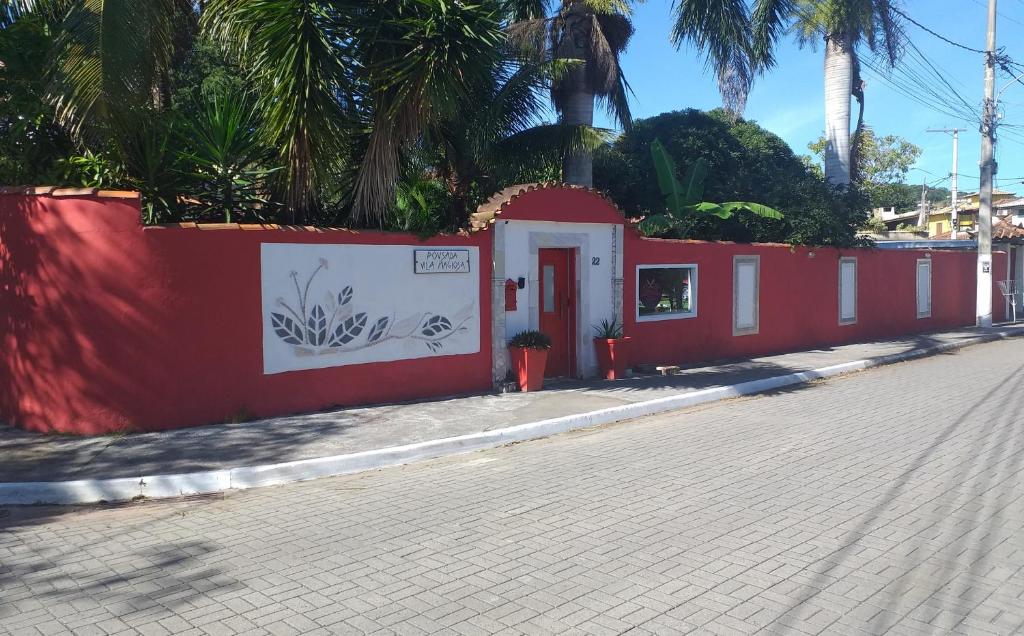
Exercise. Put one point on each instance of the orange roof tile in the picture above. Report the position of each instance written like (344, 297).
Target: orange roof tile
(55, 191)
(489, 210)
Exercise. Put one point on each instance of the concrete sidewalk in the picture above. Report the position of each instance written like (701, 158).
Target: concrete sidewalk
(413, 430)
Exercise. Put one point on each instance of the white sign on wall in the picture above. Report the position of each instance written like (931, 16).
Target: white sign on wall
(334, 305)
(441, 261)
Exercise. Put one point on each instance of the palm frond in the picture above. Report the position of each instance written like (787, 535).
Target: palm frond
(617, 103)
(553, 140)
(609, 35)
(520, 10)
(622, 7)
(423, 63)
(108, 57)
(769, 21)
(290, 50)
(528, 38)
(518, 100)
(889, 29)
(721, 30)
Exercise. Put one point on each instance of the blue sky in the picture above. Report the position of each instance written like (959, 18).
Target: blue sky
(788, 100)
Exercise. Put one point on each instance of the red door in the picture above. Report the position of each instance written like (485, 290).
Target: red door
(558, 309)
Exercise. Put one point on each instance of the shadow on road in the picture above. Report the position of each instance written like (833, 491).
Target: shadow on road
(985, 479)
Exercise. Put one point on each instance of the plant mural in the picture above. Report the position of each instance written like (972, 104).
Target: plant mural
(335, 326)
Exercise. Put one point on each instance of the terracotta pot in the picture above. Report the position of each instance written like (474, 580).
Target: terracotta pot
(528, 365)
(613, 356)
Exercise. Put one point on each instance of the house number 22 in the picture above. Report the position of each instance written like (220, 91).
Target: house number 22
(596, 260)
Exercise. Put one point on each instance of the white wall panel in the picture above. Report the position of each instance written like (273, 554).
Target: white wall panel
(746, 291)
(847, 291)
(924, 288)
(334, 305)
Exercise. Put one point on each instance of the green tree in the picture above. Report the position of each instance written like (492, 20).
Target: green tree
(335, 80)
(32, 145)
(745, 163)
(111, 61)
(686, 198)
(739, 43)
(353, 97)
(882, 164)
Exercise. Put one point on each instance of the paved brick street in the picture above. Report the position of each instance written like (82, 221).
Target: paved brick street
(888, 501)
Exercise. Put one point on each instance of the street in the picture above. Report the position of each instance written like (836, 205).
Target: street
(889, 501)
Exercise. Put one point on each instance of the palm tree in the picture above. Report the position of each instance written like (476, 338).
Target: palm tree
(291, 53)
(503, 136)
(330, 75)
(595, 33)
(420, 63)
(111, 59)
(345, 88)
(739, 43)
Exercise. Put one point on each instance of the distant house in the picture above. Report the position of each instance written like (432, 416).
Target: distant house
(940, 220)
(894, 220)
(1011, 210)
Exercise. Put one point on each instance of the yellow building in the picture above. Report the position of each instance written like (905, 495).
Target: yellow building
(939, 221)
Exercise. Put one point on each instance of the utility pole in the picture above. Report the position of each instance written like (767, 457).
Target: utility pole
(983, 311)
(953, 217)
(922, 211)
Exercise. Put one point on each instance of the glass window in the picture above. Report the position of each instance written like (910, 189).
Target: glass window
(666, 291)
(549, 288)
(847, 290)
(746, 282)
(924, 288)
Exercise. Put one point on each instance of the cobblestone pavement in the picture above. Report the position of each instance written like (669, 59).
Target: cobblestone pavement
(889, 501)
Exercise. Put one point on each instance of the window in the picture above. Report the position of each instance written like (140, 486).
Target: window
(847, 290)
(664, 292)
(746, 274)
(549, 289)
(924, 288)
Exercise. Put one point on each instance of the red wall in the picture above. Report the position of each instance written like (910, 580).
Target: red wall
(799, 298)
(107, 326)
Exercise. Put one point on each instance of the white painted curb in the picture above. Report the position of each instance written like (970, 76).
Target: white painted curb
(213, 481)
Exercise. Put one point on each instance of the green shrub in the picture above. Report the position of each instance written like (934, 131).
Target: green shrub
(530, 340)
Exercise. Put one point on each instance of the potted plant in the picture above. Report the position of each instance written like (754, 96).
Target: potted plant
(529, 352)
(612, 349)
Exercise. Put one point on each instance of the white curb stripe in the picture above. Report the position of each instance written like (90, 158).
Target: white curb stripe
(213, 481)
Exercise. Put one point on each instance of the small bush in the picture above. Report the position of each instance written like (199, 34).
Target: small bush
(530, 340)
(608, 330)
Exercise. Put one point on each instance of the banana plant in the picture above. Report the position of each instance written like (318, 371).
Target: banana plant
(684, 198)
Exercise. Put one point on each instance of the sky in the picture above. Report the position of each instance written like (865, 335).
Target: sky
(788, 100)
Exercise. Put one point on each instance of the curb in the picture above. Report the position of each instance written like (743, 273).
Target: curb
(206, 482)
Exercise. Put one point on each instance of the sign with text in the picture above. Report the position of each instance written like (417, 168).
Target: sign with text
(441, 261)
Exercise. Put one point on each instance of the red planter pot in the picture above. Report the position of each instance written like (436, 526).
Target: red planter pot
(613, 357)
(528, 365)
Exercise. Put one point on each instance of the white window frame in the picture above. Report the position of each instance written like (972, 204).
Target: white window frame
(694, 278)
(917, 288)
(842, 261)
(736, 262)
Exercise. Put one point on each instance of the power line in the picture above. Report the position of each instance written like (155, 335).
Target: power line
(938, 74)
(938, 35)
(1000, 13)
(917, 78)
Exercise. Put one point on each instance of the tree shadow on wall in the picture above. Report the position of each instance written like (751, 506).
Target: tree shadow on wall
(62, 291)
